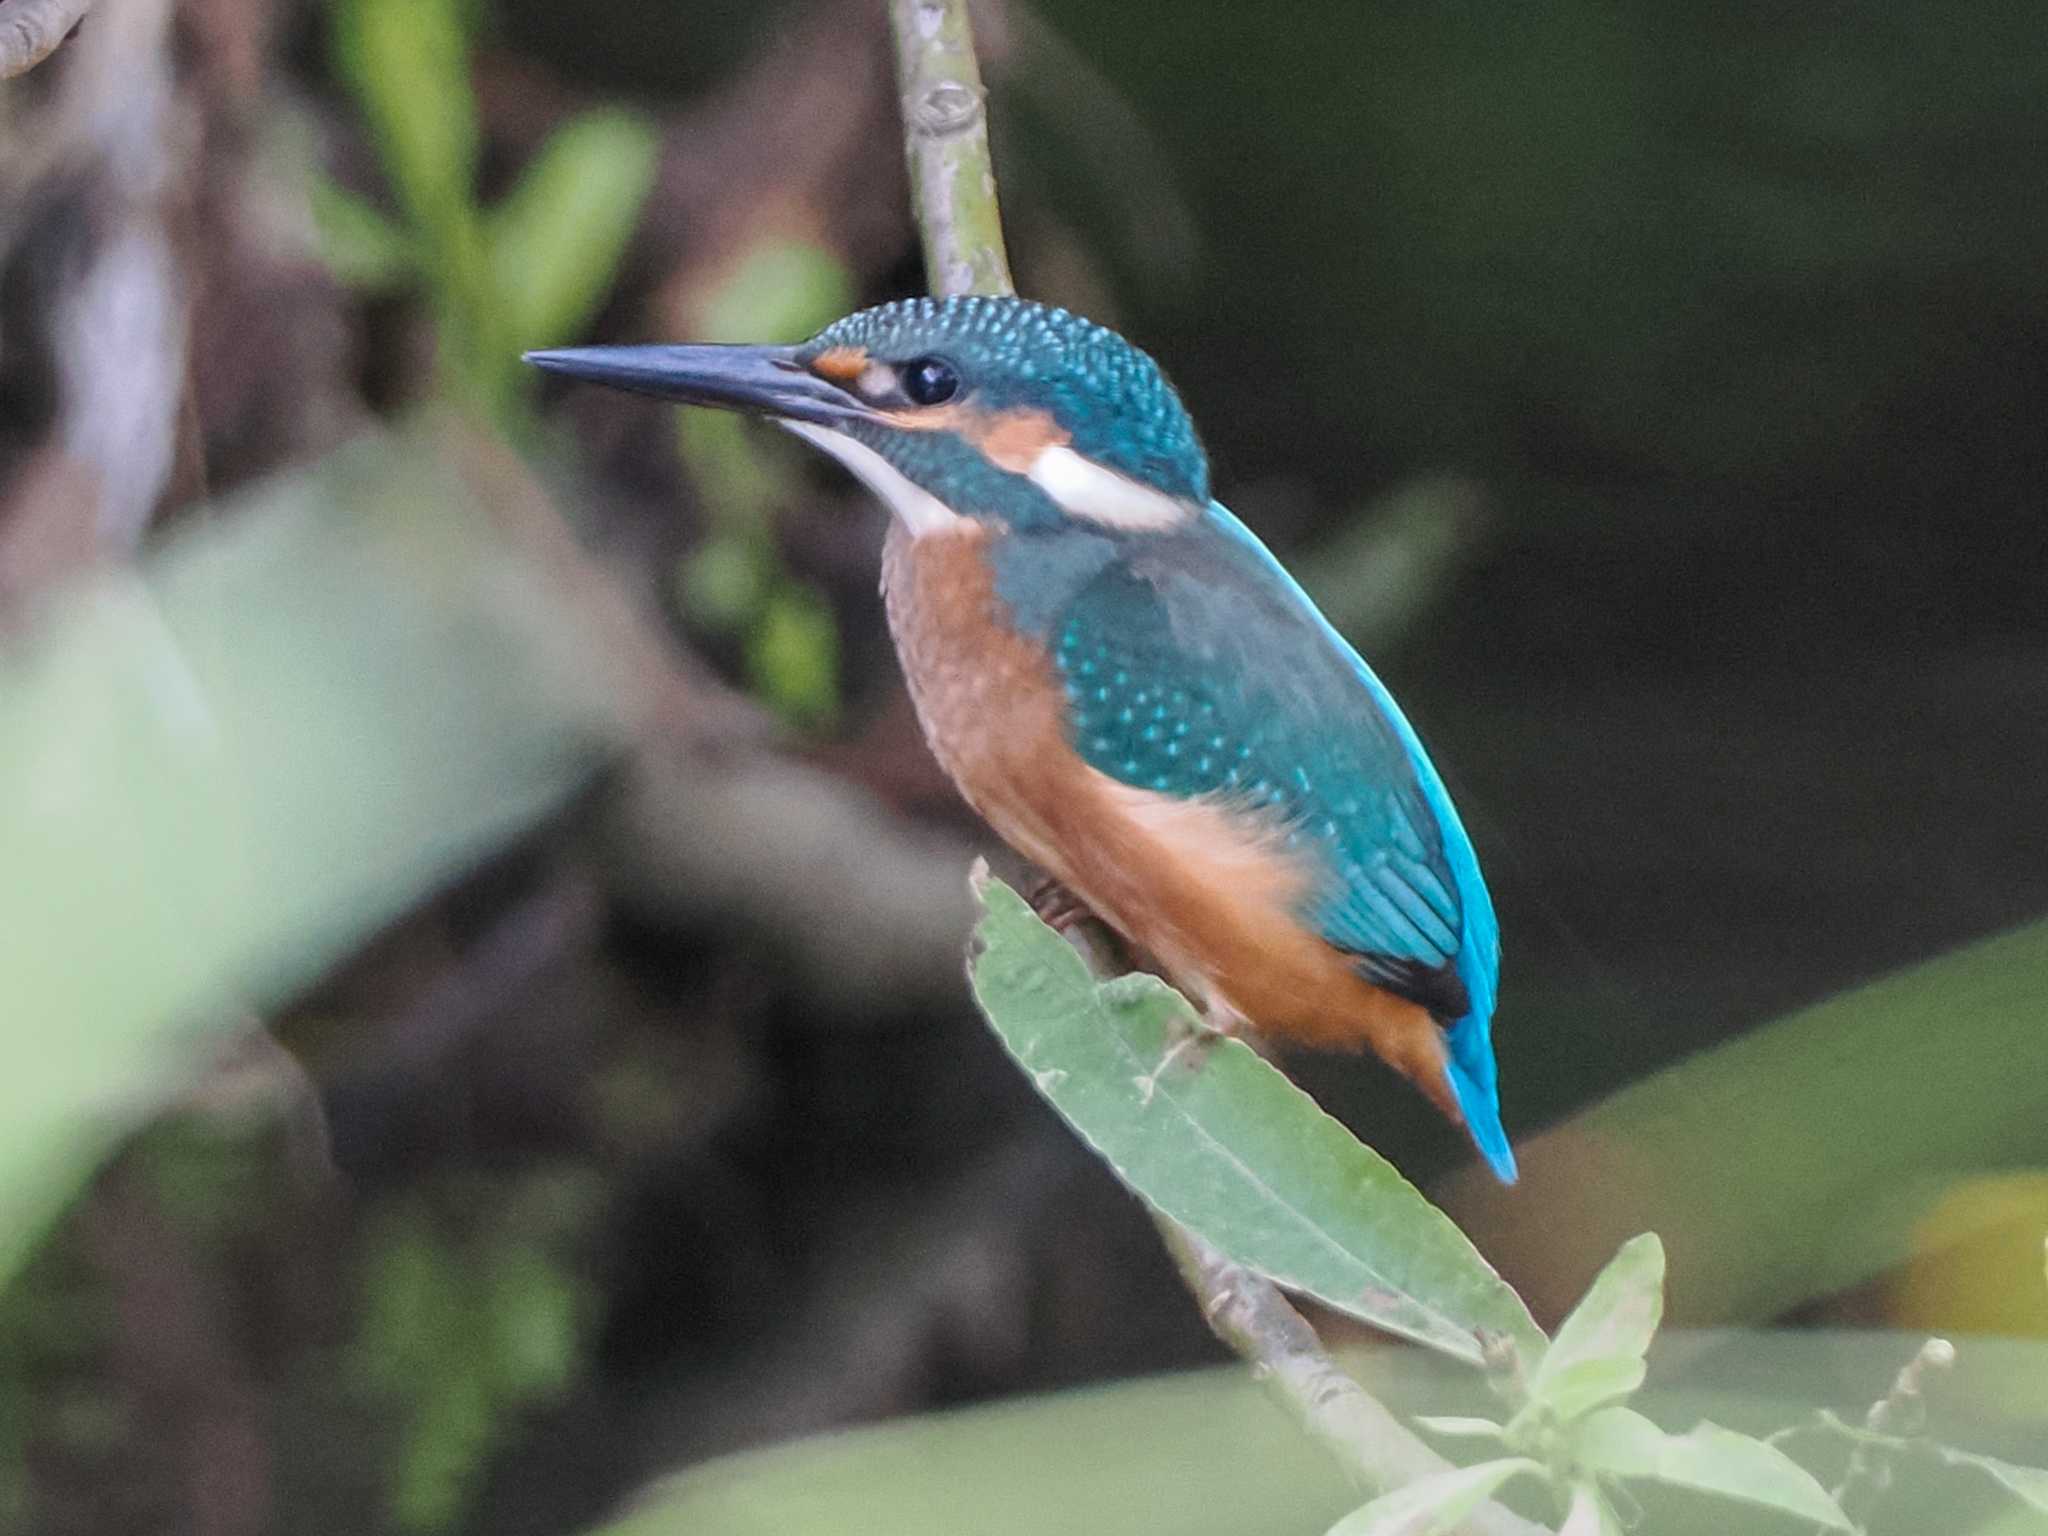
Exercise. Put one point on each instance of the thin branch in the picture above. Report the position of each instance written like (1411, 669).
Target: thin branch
(1248, 1313)
(30, 31)
(953, 191)
(945, 130)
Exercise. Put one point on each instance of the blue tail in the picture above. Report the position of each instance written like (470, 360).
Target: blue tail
(1472, 1079)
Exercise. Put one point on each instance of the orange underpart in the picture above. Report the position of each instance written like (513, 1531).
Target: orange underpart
(1207, 886)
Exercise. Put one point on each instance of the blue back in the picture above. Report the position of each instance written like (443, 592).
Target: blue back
(1195, 665)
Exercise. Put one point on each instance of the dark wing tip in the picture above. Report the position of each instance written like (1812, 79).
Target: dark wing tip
(1439, 988)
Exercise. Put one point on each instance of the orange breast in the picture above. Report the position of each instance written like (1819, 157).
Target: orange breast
(1204, 886)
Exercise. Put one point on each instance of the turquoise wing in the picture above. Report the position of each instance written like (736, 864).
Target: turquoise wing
(1194, 665)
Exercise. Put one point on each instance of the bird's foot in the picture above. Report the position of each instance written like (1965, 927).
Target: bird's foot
(1056, 905)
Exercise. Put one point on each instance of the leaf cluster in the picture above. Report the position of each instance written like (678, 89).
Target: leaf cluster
(500, 280)
(1213, 1137)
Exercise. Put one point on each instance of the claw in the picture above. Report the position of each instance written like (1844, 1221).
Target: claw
(1057, 906)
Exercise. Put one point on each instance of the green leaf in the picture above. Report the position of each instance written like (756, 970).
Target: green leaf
(1457, 1428)
(555, 242)
(531, 1307)
(1589, 1515)
(407, 62)
(778, 288)
(448, 1434)
(359, 245)
(726, 582)
(1760, 1222)
(1622, 1443)
(2029, 1484)
(294, 721)
(1194, 1454)
(1598, 1352)
(1227, 1146)
(793, 655)
(1432, 1505)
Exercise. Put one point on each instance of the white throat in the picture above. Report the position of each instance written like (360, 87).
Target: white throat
(921, 513)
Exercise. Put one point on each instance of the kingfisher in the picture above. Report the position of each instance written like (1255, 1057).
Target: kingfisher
(1127, 685)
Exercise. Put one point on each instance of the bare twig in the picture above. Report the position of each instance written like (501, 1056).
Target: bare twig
(30, 31)
(945, 128)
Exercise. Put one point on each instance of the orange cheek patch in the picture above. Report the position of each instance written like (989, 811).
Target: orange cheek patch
(1013, 440)
(840, 364)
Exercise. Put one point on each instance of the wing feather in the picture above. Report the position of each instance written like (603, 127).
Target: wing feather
(1196, 667)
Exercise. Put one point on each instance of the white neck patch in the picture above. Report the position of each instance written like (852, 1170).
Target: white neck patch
(1086, 489)
(920, 512)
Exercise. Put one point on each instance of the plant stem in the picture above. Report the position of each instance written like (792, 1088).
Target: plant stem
(30, 31)
(1248, 1313)
(945, 134)
(953, 192)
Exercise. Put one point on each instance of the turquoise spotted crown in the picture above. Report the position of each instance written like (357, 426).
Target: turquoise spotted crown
(1114, 402)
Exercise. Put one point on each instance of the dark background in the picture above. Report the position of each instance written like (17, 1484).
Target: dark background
(1654, 390)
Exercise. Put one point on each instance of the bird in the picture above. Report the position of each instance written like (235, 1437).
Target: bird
(1125, 683)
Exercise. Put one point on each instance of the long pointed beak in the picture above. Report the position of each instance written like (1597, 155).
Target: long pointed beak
(766, 381)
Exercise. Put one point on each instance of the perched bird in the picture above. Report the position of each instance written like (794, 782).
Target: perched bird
(1125, 683)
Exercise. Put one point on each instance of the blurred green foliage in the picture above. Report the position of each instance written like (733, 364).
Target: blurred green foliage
(1706, 247)
(465, 1326)
(1859, 1116)
(1204, 1454)
(735, 584)
(527, 273)
(239, 762)
(530, 272)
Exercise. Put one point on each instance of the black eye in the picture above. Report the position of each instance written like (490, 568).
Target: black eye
(930, 381)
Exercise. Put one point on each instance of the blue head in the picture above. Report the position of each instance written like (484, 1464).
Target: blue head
(983, 407)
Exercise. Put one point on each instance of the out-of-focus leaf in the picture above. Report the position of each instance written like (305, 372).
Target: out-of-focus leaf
(1597, 1352)
(408, 63)
(1432, 1505)
(1798, 1160)
(1457, 1427)
(1197, 1455)
(1227, 1146)
(229, 768)
(463, 1330)
(1709, 1459)
(532, 1314)
(777, 289)
(1205, 1454)
(740, 478)
(445, 1442)
(2030, 1484)
(1975, 1265)
(793, 655)
(1395, 561)
(1589, 1515)
(726, 582)
(360, 246)
(555, 242)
